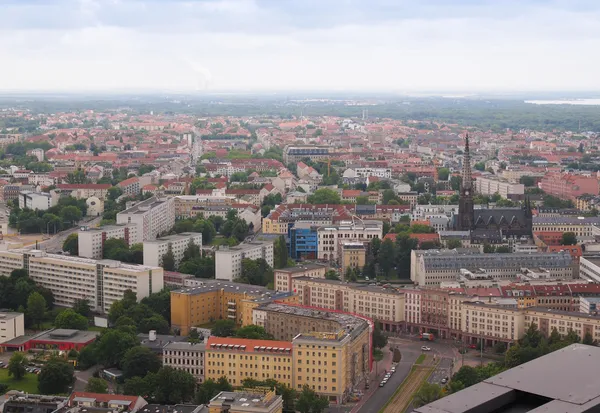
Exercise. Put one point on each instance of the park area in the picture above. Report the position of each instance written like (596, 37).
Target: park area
(29, 382)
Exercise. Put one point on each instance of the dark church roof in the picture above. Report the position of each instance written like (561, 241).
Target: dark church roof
(501, 217)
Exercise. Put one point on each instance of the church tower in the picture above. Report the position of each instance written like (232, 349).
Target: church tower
(465, 200)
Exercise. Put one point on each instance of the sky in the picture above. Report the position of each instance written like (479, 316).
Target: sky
(317, 45)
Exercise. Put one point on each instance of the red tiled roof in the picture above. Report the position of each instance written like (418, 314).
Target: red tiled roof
(83, 186)
(128, 181)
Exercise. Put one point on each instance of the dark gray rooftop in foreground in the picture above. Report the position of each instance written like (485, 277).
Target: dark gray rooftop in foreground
(565, 381)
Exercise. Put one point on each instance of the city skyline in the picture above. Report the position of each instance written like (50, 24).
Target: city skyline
(252, 45)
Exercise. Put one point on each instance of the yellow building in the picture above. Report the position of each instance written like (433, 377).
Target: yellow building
(239, 358)
(352, 255)
(563, 321)
(217, 300)
(331, 356)
(246, 401)
(270, 226)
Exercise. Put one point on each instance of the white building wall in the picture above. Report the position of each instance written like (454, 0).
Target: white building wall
(12, 325)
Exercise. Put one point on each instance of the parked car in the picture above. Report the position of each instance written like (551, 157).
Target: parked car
(445, 380)
(382, 384)
(393, 369)
(425, 348)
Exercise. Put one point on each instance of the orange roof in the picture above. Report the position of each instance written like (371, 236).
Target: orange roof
(425, 237)
(249, 344)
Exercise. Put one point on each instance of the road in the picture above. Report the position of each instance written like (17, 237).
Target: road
(54, 244)
(381, 395)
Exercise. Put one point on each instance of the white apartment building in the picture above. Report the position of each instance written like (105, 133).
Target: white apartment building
(91, 240)
(330, 237)
(154, 250)
(84, 191)
(490, 185)
(589, 268)
(228, 260)
(432, 267)
(69, 278)
(492, 322)
(375, 302)
(185, 356)
(153, 217)
(35, 200)
(12, 325)
(283, 277)
(360, 172)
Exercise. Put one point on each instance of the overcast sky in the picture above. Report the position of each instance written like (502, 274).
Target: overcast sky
(382, 45)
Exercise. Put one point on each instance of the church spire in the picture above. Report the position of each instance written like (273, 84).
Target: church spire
(467, 180)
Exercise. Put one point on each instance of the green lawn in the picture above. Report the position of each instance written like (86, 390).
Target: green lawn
(94, 328)
(420, 359)
(28, 383)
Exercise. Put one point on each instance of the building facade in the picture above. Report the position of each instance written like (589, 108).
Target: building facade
(12, 325)
(178, 243)
(228, 260)
(153, 217)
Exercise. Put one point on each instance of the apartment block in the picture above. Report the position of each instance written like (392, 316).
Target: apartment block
(228, 260)
(130, 186)
(582, 227)
(153, 217)
(84, 191)
(185, 356)
(331, 237)
(238, 359)
(569, 186)
(352, 255)
(492, 323)
(35, 200)
(335, 344)
(178, 243)
(284, 276)
(491, 184)
(214, 300)
(91, 240)
(294, 154)
(386, 305)
(12, 325)
(430, 268)
(69, 278)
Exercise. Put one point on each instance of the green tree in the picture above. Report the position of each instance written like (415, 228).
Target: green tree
(428, 393)
(69, 319)
(71, 244)
(17, 365)
(210, 388)
(171, 386)
(310, 402)
(96, 385)
(154, 322)
(386, 257)
(281, 253)
(253, 332)
(36, 308)
(114, 192)
(527, 180)
(588, 339)
(87, 357)
(71, 214)
(332, 275)
(503, 249)
(56, 376)
(82, 306)
(223, 328)
(453, 243)
(569, 238)
(324, 196)
(379, 339)
(136, 386)
(112, 345)
(480, 166)
(443, 174)
(139, 361)
(362, 200)
(467, 375)
(168, 260)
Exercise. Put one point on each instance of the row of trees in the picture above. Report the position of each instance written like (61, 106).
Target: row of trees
(227, 328)
(20, 293)
(64, 215)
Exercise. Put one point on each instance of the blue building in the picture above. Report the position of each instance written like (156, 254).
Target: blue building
(303, 242)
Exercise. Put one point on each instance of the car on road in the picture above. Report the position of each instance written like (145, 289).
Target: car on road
(425, 348)
(393, 369)
(445, 380)
(382, 384)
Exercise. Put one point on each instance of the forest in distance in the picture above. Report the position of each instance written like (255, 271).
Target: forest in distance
(487, 114)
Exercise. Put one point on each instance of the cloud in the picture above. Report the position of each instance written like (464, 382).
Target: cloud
(386, 45)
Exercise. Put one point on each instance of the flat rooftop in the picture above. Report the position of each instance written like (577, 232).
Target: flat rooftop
(244, 400)
(9, 315)
(215, 285)
(352, 324)
(565, 381)
(174, 237)
(243, 247)
(356, 286)
(143, 206)
(301, 268)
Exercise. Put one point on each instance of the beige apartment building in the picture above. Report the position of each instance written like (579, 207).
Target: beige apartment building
(185, 356)
(283, 277)
(386, 305)
(12, 325)
(490, 185)
(582, 227)
(563, 321)
(330, 237)
(491, 323)
(352, 255)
